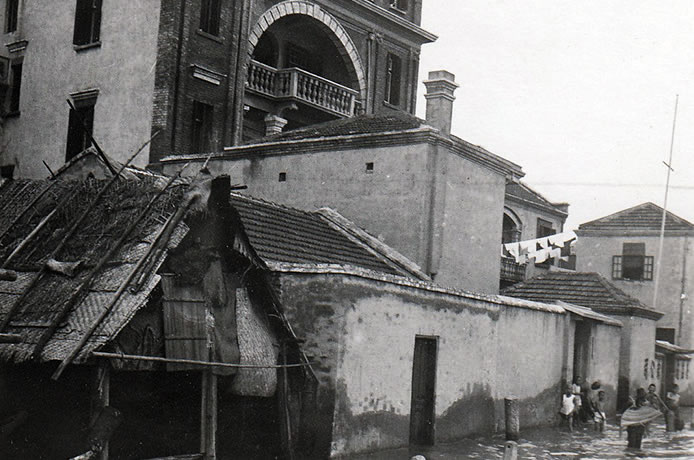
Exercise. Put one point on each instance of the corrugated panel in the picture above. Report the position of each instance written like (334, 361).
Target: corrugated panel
(19, 285)
(185, 326)
(258, 346)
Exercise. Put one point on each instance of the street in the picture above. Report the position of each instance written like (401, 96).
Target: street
(558, 443)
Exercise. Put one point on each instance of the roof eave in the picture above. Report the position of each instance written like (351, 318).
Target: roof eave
(424, 35)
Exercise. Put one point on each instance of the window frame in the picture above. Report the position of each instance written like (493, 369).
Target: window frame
(210, 17)
(646, 271)
(16, 69)
(87, 27)
(80, 131)
(11, 16)
(393, 86)
(202, 126)
(400, 5)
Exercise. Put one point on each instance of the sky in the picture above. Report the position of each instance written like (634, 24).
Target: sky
(580, 93)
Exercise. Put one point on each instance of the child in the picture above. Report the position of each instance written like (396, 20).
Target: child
(672, 399)
(568, 407)
(600, 417)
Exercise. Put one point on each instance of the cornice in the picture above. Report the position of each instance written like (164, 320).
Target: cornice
(624, 231)
(523, 201)
(420, 135)
(402, 22)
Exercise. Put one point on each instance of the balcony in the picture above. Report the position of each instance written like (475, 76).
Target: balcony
(512, 271)
(298, 85)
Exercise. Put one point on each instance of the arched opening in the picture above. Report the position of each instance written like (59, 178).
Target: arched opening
(512, 230)
(303, 69)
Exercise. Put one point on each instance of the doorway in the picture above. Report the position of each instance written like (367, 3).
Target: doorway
(422, 415)
(582, 348)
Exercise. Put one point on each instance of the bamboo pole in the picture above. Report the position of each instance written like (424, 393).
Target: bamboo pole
(159, 359)
(73, 228)
(26, 209)
(37, 229)
(85, 285)
(662, 222)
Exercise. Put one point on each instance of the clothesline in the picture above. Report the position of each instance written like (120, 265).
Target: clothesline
(539, 249)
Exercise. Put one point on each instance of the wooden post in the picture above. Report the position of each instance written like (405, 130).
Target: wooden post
(208, 429)
(101, 398)
(511, 450)
(511, 411)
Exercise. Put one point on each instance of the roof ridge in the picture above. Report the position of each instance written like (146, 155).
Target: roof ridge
(645, 205)
(273, 204)
(383, 251)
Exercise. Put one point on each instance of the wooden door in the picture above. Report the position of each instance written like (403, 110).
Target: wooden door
(582, 349)
(423, 391)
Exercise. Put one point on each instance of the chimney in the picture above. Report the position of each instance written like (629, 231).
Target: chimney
(440, 88)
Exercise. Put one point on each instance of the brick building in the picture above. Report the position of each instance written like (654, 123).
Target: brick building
(205, 73)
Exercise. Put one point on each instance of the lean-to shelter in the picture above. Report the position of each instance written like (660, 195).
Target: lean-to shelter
(142, 321)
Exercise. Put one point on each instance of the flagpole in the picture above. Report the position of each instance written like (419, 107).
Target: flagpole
(662, 221)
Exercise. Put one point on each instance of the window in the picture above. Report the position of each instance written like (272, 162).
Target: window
(283, 177)
(16, 87)
(544, 228)
(80, 127)
(665, 333)
(202, 127)
(393, 80)
(87, 22)
(633, 264)
(11, 16)
(369, 168)
(209, 16)
(399, 4)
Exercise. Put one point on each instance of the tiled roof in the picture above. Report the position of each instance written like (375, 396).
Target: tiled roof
(288, 235)
(362, 124)
(646, 216)
(580, 288)
(523, 192)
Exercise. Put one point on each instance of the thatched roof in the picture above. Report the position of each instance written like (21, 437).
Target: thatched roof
(43, 305)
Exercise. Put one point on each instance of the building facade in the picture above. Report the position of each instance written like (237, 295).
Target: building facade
(529, 215)
(624, 247)
(434, 197)
(203, 74)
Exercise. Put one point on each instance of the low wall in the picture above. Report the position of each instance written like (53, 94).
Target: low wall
(362, 331)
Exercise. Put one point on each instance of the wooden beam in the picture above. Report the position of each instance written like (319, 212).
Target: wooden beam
(10, 338)
(102, 354)
(7, 275)
(210, 420)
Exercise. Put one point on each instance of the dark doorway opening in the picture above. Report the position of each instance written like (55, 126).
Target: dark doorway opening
(423, 391)
(581, 348)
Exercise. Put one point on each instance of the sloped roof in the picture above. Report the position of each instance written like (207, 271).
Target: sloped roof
(361, 124)
(580, 288)
(55, 309)
(282, 234)
(646, 216)
(522, 192)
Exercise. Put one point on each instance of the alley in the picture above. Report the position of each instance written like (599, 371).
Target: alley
(557, 443)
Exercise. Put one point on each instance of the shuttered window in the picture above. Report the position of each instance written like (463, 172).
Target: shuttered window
(393, 74)
(80, 128)
(11, 16)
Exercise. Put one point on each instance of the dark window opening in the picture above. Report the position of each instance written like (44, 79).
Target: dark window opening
(202, 127)
(665, 333)
(16, 87)
(544, 228)
(301, 58)
(11, 16)
(283, 177)
(87, 22)
(393, 72)
(633, 264)
(399, 4)
(209, 16)
(369, 167)
(80, 127)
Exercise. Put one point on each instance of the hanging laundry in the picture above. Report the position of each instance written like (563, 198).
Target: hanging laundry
(543, 242)
(555, 253)
(512, 249)
(560, 239)
(528, 246)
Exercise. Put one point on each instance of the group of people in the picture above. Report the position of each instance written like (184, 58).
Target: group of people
(646, 407)
(582, 403)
